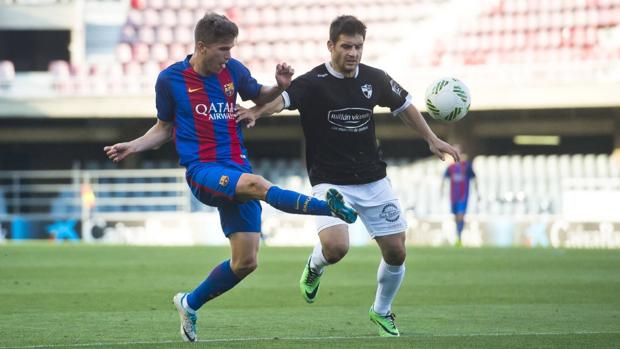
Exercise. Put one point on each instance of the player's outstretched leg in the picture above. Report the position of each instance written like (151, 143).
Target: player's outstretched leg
(336, 204)
(387, 327)
(188, 318)
(309, 283)
(293, 202)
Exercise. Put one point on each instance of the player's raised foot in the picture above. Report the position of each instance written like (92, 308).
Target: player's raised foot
(458, 243)
(309, 283)
(387, 327)
(188, 320)
(336, 203)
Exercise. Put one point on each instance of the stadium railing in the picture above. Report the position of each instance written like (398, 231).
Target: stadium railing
(30, 200)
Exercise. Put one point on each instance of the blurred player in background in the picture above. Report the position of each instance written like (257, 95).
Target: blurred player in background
(196, 104)
(460, 174)
(335, 101)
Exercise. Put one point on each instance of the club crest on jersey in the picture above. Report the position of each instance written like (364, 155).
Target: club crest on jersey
(229, 89)
(224, 180)
(367, 90)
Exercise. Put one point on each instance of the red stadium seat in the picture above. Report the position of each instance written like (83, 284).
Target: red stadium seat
(135, 18)
(151, 17)
(123, 52)
(164, 36)
(146, 35)
(141, 52)
(159, 52)
(156, 4)
(168, 17)
(185, 17)
(177, 52)
(138, 4)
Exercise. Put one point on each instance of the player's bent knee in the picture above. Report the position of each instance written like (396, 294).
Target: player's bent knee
(335, 253)
(251, 186)
(396, 257)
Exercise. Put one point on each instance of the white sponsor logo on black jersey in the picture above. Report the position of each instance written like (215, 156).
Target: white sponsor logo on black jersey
(367, 90)
(321, 75)
(349, 118)
(396, 87)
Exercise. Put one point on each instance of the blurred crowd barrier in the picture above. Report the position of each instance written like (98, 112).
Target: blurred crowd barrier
(546, 200)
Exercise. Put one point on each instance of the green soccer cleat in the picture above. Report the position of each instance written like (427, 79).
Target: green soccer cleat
(336, 203)
(188, 320)
(387, 327)
(309, 283)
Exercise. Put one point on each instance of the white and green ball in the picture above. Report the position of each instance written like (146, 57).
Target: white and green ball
(447, 99)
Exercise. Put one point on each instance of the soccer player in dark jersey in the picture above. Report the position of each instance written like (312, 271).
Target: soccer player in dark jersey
(335, 102)
(460, 175)
(196, 104)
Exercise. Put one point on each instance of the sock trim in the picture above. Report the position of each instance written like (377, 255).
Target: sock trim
(185, 305)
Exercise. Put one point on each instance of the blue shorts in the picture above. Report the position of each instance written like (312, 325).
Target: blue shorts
(459, 207)
(214, 185)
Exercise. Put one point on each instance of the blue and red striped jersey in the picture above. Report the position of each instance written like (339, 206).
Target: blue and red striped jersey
(460, 174)
(202, 109)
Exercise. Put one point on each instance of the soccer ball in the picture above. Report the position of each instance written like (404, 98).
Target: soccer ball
(447, 99)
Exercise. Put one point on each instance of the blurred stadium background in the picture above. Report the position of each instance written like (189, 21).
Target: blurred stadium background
(544, 129)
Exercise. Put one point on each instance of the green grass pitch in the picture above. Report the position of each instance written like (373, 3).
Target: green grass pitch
(81, 296)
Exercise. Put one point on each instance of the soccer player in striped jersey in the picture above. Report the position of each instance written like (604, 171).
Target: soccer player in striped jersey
(460, 174)
(196, 106)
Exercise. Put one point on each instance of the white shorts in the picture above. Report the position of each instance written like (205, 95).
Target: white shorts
(375, 202)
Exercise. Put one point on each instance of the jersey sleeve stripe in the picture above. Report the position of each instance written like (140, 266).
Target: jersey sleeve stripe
(404, 106)
(287, 99)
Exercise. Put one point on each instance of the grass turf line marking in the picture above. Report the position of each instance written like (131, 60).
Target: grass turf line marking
(224, 340)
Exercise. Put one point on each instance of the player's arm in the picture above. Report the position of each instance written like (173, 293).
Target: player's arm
(156, 136)
(249, 116)
(284, 75)
(412, 117)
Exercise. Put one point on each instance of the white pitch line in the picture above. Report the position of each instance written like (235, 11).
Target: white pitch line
(254, 339)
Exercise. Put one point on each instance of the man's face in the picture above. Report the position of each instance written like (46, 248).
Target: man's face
(215, 55)
(346, 52)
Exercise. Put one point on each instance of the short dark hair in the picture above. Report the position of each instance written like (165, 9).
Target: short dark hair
(214, 28)
(348, 25)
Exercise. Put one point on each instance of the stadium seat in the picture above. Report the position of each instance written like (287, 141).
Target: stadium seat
(168, 18)
(141, 52)
(183, 35)
(563, 39)
(61, 75)
(138, 4)
(159, 53)
(7, 74)
(124, 53)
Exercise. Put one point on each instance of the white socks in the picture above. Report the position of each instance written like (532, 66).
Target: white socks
(317, 260)
(389, 278)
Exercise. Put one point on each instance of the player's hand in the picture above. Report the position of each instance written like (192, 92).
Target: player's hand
(246, 115)
(284, 75)
(440, 148)
(118, 151)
